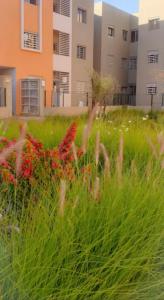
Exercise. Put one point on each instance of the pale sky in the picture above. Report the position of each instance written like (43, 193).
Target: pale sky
(127, 5)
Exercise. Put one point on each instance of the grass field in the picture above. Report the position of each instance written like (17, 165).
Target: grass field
(98, 235)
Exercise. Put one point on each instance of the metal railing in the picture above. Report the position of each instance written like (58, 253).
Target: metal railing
(79, 99)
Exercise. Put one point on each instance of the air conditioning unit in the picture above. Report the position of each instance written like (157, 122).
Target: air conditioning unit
(32, 96)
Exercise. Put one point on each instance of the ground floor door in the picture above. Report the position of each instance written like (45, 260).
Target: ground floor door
(5, 96)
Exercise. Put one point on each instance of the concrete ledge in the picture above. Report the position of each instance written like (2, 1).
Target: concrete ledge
(65, 111)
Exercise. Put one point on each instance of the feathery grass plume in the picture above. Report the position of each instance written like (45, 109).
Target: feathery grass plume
(106, 160)
(88, 127)
(65, 146)
(120, 159)
(74, 150)
(97, 148)
(62, 197)
(76, 202)
(96, 191)
(20, 149)
(161, 143)
(134, 168)
(8, 151)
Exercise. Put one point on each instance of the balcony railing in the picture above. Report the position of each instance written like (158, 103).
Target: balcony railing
(62, 7)
(62, 44)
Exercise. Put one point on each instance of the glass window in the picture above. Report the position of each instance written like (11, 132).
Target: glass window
(81, 15)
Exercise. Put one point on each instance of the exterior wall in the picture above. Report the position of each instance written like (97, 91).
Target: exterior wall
(133, 50)
(113, 49)
(150, 40)
(82, 34)
(27, 63)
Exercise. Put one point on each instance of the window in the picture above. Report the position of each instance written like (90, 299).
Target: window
(134, 36)
(125, 35)
(111, 31)
(154, 23)
(151, 89)
(153, 57)
(124, 63)
(2, 97)
(81, 15)
(133, 63)
(132, 89)
(34, 2)
(81, 52)
(31, 40)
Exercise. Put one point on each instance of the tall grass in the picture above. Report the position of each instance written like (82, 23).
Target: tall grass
(98, 237)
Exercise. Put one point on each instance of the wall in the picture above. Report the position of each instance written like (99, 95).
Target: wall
(150, 40)
(27, 63)
(82, 34)
(112, 48)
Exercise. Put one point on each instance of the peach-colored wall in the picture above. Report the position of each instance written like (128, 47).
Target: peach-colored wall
(31, 13)
(27, 63)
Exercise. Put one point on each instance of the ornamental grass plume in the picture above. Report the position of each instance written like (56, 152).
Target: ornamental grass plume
(87, 129)
(74, 151)
(161, 143)
(9, 150)
(66, 145)
(106, 160)
(62, 197)
(20, 149)
(96, 191)
(120, 159)
(97, 148)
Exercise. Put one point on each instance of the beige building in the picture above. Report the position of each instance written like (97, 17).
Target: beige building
(73, 51)
(150, 74)
(115, 46)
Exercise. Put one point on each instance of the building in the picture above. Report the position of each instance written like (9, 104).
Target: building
(115, 44)
(25, 56)
(150, 69)
(73, 50)
(46, 55)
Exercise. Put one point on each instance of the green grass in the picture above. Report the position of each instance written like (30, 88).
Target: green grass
(112, 249)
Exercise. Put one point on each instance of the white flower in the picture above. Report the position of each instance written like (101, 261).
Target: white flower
(130, 121)
(144, 119)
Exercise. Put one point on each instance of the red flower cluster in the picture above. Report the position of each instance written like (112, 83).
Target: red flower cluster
(33, 155)
(65, 146)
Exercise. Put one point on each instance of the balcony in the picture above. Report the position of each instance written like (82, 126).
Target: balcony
(62, 7)
(61, 48)
(61, 42)
(61, 16)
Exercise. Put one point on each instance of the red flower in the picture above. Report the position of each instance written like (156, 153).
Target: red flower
(65, 146)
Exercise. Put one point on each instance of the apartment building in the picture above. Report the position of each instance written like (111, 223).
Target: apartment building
(73, 51)
(25, 56)
(46, 55)
(115, 46)
(150, 69)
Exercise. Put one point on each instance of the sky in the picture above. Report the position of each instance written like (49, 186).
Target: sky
(127, 5)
